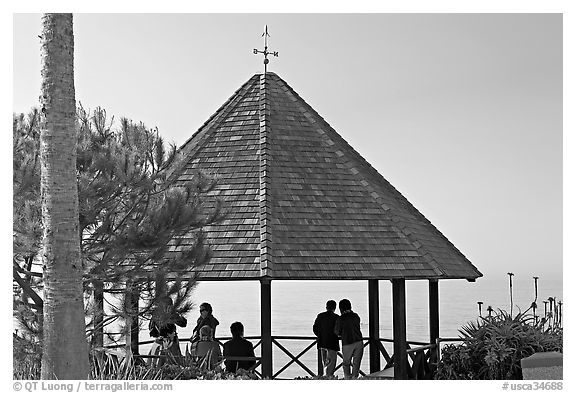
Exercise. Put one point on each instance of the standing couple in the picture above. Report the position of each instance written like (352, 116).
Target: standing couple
(329, 328)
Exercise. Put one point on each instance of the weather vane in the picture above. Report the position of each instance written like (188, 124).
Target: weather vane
(265, 51)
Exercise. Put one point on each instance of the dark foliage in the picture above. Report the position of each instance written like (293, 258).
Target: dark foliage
(26, 357)
(493, 346)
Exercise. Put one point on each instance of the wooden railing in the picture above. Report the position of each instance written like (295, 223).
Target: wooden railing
(422, 357)
(294, 359)
(423, 361)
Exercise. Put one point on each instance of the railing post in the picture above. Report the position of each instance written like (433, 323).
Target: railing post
(399, 328)
(434, 315)
(266, 327)
(373, 325)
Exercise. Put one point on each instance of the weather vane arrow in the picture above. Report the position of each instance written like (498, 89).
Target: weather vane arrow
(265, 52)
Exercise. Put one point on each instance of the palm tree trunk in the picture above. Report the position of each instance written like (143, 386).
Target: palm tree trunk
(65, 349)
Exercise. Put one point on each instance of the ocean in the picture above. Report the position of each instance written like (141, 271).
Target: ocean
(295, 305)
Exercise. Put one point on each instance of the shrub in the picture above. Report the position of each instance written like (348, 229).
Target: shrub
(493, 347)
(26, 356)
(105, 365)
(176, 372)
(455, 363)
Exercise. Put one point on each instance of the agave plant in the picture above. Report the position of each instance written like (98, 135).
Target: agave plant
(494, 346)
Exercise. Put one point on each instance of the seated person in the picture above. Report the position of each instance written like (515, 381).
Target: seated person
(207, 350)
(168, 348)
(163, 328)
(238, 346)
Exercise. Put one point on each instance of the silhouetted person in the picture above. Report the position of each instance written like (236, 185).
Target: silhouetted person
(162, 327)
(238, 346)
(206, 319)
(327, 340)
(207, 350)
(348, 328)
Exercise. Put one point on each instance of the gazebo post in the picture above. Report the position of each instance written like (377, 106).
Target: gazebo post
(266, 327)
(132, 329)
(98, 334)
(399, 328)
(135, 331)
(374, 325)
(434, 315)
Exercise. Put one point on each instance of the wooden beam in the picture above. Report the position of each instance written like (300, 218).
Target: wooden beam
(434, 315)
(27, 272)
(266, 327)
(399, 328)
(27, 289)
(374, 325)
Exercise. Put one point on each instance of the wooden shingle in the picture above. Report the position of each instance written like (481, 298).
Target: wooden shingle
(303, 204)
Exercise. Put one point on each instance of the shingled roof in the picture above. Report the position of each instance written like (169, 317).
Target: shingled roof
(303, 204)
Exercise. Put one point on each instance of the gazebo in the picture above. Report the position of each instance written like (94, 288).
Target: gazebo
(302, 204)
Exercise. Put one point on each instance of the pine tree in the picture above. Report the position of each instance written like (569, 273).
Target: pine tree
(27, 224)
(131, 215)
(134, 214)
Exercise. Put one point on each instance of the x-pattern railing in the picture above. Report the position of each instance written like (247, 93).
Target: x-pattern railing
(294, 359)
(422, 356)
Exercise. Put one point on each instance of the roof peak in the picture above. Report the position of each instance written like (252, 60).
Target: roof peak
(266, 73)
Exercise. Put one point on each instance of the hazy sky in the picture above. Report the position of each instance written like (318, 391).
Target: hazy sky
(462, 113)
